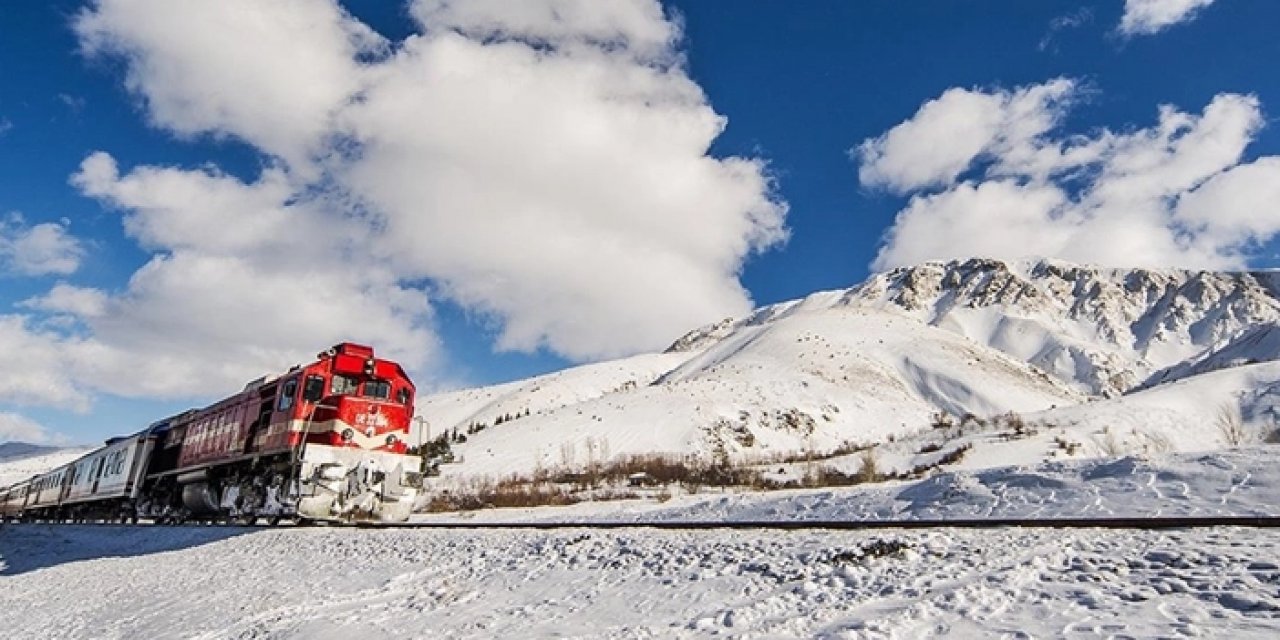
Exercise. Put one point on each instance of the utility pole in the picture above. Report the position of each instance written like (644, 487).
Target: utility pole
(422, 425)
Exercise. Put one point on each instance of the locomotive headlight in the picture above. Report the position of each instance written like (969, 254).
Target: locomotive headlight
(347, 435)
(392, 439)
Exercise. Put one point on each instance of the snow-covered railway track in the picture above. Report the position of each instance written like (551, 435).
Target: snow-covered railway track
(984, 523)
(1179, 522)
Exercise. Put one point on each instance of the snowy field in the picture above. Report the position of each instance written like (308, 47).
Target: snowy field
(64, 581)
(1237, 482)
(112, 582)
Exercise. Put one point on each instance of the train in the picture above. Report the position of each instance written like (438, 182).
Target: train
(322, 442)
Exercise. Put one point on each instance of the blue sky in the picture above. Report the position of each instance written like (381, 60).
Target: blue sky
(489, 195)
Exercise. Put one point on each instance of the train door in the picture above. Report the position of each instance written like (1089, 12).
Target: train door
(262, 423)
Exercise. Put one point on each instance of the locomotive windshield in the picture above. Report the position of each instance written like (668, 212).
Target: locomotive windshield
(377, 389)
(313, 390)
(343, 385)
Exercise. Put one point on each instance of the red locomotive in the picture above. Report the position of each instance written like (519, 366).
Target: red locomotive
(324, 441)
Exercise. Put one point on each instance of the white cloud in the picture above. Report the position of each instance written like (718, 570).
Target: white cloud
(246, 276)
(1072, 20)
(18, 428)
(37, 372)
(948, 133)
(634, 28)
(37, 250)
(1145, 17)
(567, 192)
(1238, 206)
(269, 73)
(63, 298)
(1174, 194)
(544, 163)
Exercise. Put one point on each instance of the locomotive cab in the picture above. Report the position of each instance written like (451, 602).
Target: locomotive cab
(351, 399)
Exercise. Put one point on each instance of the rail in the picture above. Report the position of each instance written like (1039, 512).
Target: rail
(1162, 522)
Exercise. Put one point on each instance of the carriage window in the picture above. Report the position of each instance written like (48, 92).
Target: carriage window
(377, 389)
(313, 390)
(402, 396)
(287, 395)
(343, 385)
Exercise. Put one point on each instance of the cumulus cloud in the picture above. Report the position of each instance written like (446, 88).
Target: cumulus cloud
(63, 298)
(246, 278)
(244, 273)
(565, 191)
(37, 372)
(1177, 193)
(949, 132)
(638, 29)
(544, 164)
(36, 250)
(19, 428)
(269, 73)
(1145, 17)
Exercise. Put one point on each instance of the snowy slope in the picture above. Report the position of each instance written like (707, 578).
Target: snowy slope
(544, 393)
(808, 379)
(873, 363)
(17, 468)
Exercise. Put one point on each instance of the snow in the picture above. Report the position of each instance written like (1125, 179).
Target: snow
(809, 379)
(213, 583)
(1237, 482)
(18, 468)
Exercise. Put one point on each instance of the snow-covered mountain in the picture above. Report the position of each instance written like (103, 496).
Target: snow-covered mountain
(878, 362)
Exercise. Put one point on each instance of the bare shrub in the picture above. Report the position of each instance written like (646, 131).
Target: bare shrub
(1071, 447)
(1017, 426)
(870, 469)
(1231, 425)
(1273, 435)
(1109, 444)
(514, 491)
(1156, 442)
(921, 470)
(568, 456)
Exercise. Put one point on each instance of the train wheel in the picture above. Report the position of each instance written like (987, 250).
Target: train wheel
(273, 521)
